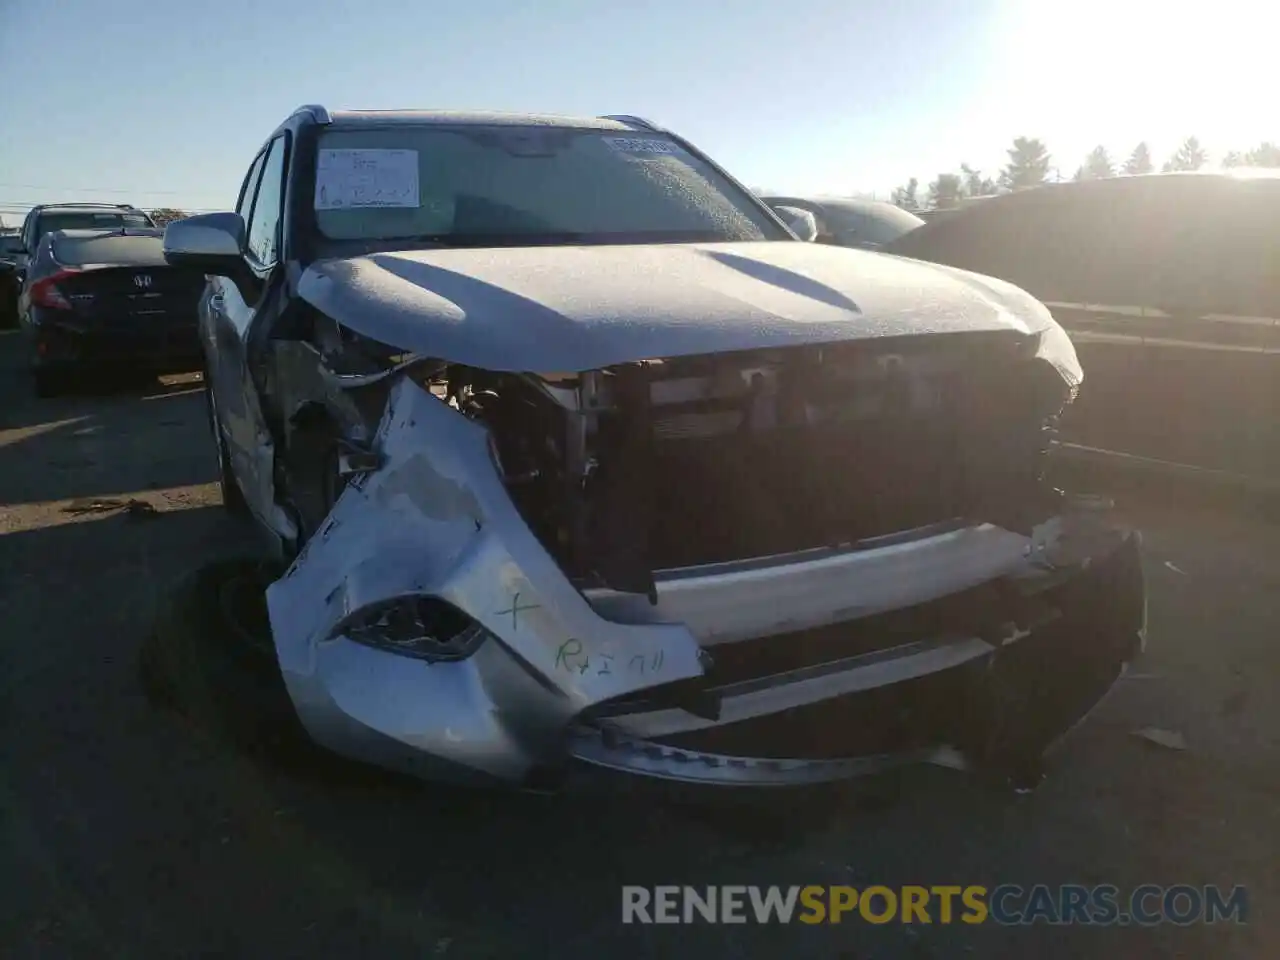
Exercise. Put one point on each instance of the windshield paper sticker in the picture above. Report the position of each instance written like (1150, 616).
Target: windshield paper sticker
(642, 145)
(357, 179)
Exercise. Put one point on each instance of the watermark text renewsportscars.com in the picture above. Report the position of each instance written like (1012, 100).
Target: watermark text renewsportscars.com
(1004, 904)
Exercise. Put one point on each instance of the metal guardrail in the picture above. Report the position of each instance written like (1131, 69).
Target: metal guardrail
(1080, 455)
(1196, 397)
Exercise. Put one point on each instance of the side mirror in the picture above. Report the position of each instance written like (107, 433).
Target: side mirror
(211, 243)
(802, 223)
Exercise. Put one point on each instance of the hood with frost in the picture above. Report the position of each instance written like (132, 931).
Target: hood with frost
(573, 308)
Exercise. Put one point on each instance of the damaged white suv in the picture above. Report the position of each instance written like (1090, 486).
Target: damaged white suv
(577, 455)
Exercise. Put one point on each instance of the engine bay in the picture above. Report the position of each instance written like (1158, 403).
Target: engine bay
(672, 463)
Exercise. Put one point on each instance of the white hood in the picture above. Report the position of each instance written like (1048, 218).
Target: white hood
(576, 308)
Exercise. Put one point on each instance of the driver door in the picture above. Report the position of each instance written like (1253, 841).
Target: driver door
(232, 310)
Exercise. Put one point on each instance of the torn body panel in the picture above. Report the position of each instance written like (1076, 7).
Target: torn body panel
(302, 379)
(435, 520)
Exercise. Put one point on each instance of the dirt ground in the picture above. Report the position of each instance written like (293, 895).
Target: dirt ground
(128, 835)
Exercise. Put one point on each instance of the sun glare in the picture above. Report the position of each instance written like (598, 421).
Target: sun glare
(1115, 73)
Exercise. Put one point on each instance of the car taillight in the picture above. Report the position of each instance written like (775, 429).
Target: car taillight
(45, 292)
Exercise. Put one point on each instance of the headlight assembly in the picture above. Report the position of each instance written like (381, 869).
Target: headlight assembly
(425, 628)
(1055, 348)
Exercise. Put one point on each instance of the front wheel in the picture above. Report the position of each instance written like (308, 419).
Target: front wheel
(210, 656)
(49, 382)
(315, 480)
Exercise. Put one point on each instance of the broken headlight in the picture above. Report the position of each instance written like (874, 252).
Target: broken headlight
(425, 628)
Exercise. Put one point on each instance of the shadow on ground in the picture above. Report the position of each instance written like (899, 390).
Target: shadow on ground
(115, 436)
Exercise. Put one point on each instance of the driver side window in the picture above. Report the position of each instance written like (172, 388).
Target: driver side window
(264, 223)
(249, 190)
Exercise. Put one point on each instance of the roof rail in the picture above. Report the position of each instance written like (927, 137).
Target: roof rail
(88, 203)
(632, 121)
(316, 111)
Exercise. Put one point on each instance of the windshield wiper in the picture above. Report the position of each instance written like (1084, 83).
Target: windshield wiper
(539, 239)
(494, 239)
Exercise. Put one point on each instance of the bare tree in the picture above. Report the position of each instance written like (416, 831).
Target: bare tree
(165, 215)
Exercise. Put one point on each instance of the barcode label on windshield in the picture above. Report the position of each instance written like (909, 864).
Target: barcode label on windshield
(352, 179)
(642, 145)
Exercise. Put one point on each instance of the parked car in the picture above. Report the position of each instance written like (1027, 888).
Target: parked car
(105, 300)
(868, 224)
(802, 223)
(1169, 286)
(576, 456)
(10, 248)
(48, 217)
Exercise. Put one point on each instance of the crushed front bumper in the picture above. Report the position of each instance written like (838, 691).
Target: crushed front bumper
(968, 645)
(995, 693)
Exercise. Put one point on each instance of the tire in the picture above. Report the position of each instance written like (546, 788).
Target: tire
(232, 499)
(216, 666)
(49, 382)
(9, 301)
(314, 452)
(219, 672)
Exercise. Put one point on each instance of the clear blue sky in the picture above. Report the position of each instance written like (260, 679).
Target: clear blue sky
(164, 103)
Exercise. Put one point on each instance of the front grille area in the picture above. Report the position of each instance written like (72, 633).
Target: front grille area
(873, 440)
(697, 460)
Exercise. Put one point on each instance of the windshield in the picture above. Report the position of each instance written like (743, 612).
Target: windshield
(88, 220)
(502, 185)
(133, 250)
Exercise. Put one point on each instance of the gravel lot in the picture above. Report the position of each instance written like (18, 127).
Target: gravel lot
(126, 834)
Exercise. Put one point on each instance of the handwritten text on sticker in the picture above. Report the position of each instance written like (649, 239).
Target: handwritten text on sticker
(646, 145)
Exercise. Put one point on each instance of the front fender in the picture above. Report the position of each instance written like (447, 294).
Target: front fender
(435, 519)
